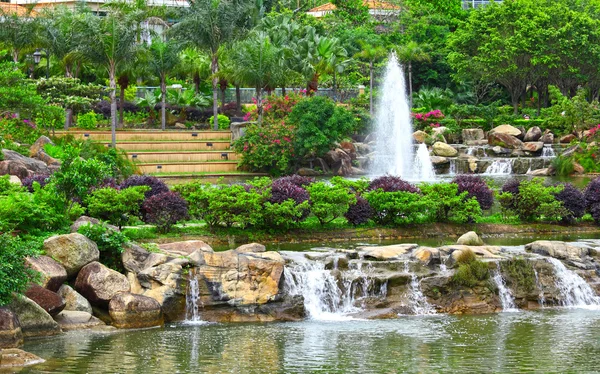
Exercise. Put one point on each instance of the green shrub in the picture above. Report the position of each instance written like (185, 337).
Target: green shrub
(398, 208)
(519, 273)
(224, 121)
(355, 185)
(14, 274)
(328, 202)
(534, 201)
(284, 215)
(87, 121)
(448, 205)
(470, 271)
(563, 165)
(110, 244)
(115, 206)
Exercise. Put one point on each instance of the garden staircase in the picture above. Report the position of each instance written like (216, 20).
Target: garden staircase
(172, 153)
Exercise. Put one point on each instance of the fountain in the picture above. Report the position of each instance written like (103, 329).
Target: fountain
(574, 290)
(506, 297)
(395, 154)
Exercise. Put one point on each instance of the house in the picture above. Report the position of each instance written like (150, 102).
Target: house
(378, 9)
(94, 5)
(8, 8)
(472, 4)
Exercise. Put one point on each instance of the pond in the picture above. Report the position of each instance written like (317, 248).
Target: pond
(552, 340)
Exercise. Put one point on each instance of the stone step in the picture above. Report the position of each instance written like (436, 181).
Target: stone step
(189, 167)
(174, 146)
(166, 136)
(182, 157)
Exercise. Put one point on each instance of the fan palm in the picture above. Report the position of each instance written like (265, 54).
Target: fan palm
(409, 53)
(164, 57)
(371, 53)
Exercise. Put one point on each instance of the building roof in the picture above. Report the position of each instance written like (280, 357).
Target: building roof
(8, 8)
(371, 4)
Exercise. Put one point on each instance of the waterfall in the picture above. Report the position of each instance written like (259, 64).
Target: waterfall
(547, 151)
(418, 301)
(395, 154)
(192, 300)
(499, 167)
(506, 297)
(452, 169)
(538, 284)
(423, 168)
(574, 291)
(470, 151)
(326, 298)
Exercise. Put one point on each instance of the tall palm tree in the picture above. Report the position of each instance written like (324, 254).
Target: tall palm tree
(18, 32)
(371, 53)
(111, 44)
(208, 24)
(196, 64)
(60, 38)
(409, 53)
(164, 58)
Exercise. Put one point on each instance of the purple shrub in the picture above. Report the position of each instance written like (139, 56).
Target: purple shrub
(164, 210)
(476, 187)
(42, 179)
(592, 198)
(156, 185)
(390, 183)
(573, 200)
(359, 213)
(281, 190)
(512, 185)
(296, 179)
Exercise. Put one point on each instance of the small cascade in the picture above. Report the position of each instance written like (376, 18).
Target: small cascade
(192, 299)
(326, 297)
(506, 297)
(499, 167)
(423, 168)
(538, 284)
(470, 151)
(452, 168)
(418, 301)
(547, 151)
(574, 290)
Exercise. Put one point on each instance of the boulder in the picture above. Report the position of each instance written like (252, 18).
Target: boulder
(73, 251)
(438, 160)
(469, 135)
(387, 252)
(427, 255)
(99, 284)
(15, 180)
(134, 258)
(251, 248)
(180, 126)
(533, 147)
(35, 166)
(470, 238)
(38, 146)
(15, 358)
(547, 138)
(10, 329)
(577, 168)
(172, 301)
(48, 300)
(567, 139)
(15, 168)
(362, 148)
(339, 162)
(540, 172)
(307, 172)
(533, 134)
(73, 300)
(85, 220)
(420, 136)
(185, 248)
(437, 133)
(52, 274)
(130, 311)
(500, 151)
(570, 151)
(34, 320)
(504, 140)
(76, 320)
(557, 249)
(506, 130)
(444, 150)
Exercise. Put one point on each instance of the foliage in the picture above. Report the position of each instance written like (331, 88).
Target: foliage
(534, 201)
(110, 244)
(295, 179)
(328, 202)
(448, 205)
(69, 93)
(592, 198)
(357, 186)
(87, 121)
(563, 165)
(574, 114)
(519, 273)
(433, 99)
(15, 276)
(320, 124)
(115, 206)
(224, 121)
(573, 200)
(398, 208)
(470, 271)
(360, 212)
(476, 187)
(156, 185)
(275, 108)
(164, 210)
(389, 183)
(41, 179)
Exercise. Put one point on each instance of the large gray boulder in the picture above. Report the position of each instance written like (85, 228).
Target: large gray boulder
(470, 238)
(50, 301)
(504, 140)
(16, 358)
(506, 129)
(34, 320)
(73, 251)
(130, 311)
(533, 147)
(557, 249)
(444, 150)
(10, 329)
(533, 134)
(469, 135)
(73, 300)
(77, 320)
(36, 166)
(52, 274)
(85, 220)
(98, 284)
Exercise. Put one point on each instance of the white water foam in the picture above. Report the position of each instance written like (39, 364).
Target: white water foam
(499, 167)
(574, 290)
(192, 301)
(418, 301)
(506, 297)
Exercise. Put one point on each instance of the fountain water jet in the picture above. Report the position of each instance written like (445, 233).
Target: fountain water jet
(395, 154)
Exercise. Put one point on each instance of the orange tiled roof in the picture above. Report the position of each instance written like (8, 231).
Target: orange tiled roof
(371, 4)
(9, 8)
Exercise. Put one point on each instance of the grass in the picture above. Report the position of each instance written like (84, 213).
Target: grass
(520, 273)
(470, 271)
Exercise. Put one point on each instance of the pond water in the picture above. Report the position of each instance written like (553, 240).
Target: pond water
(559, 340)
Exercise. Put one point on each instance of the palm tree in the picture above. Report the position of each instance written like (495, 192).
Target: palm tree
(61, 39)
(111, 44)
(313, 54)
(208, 24)
(409, 53)
(17, 32)
(164, 59)
(196, 64)
(371, 53)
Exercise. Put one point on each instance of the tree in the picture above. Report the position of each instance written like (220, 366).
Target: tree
(18, 33)
(61, 38)
(371, 53)
(196, 64)
(208, 24)
(409, 53)
(164, 59)
(111, 44)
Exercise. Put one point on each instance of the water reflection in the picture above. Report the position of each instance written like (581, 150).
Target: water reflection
(561, 340)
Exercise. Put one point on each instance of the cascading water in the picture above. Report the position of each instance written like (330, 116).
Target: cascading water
(324, 297)
(538, 284)
(499, 167)
(395, 154)
(547, 151)
(506, 297)
(192, 300)
(417, 299)
(574, 291)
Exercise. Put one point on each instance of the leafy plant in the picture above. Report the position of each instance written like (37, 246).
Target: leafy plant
(224, 121)
(390, 183)
(398, 208)
(475, 187)
(156, 185)
(534, 201)
(87, 121)
(360, 212)
(116, 206)
(573, 200)
(448, 205)
(15, 276)
(328, 202)
(165, 210)
(110, 244)
(470, 271)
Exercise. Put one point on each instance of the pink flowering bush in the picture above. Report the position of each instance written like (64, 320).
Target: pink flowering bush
(423, 121)
(275, 107)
